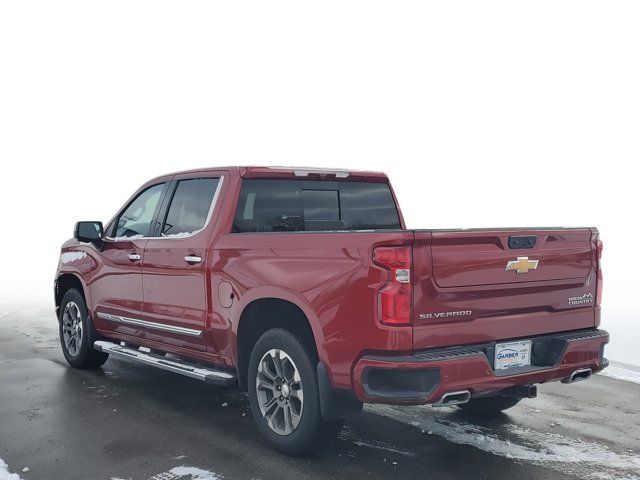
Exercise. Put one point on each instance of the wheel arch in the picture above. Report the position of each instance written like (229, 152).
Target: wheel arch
(272, 311)
(64, 283)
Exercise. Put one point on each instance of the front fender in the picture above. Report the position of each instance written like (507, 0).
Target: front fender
(80, 263)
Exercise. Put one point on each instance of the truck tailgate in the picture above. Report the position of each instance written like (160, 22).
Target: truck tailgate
(473, 286)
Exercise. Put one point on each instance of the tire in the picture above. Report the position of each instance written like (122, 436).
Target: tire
(75, 336)
(292, 421)
(489, 405)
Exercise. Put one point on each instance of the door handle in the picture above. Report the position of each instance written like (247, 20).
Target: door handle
(193, 259)
(134, 257)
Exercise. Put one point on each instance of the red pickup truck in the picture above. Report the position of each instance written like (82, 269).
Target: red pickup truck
(303, 287)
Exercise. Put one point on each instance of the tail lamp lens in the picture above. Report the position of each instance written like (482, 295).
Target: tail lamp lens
(599, 279)
(394, 298)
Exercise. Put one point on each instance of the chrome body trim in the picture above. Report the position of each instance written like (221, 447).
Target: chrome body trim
(153, 325)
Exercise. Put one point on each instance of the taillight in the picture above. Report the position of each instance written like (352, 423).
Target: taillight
(394, 299)
(599, 280)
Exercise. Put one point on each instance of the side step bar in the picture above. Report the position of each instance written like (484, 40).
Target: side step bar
(206, 374)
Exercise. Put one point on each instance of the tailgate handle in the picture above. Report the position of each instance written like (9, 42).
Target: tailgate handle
(522, 241)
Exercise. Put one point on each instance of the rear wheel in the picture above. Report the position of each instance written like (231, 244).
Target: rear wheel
(283, 392)
(489, 405)
(74, 333)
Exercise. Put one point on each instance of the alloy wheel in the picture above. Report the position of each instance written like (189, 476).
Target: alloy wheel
(279, 391)
(72, 328)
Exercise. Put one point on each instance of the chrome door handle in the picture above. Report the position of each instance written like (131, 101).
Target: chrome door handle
(193, 259)
(134, 257)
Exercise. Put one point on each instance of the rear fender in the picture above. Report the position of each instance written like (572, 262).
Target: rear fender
(280, 294)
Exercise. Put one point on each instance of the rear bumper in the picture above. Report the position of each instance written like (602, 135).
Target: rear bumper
(425, 376)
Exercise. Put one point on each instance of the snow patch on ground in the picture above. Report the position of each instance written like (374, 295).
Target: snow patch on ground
(194, 473)
(617, 370)
(5, 474)
(179, 473)
(567, 455)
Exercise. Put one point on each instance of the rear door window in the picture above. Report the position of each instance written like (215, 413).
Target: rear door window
(190, 206)
(267, 205)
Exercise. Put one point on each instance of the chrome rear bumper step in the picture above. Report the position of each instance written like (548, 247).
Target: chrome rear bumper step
(199, 372)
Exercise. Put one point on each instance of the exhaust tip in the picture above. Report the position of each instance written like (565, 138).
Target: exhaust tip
(578, 376)
(521, 391)
(453, 398)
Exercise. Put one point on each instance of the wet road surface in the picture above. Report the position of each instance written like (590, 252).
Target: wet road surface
(127, 421)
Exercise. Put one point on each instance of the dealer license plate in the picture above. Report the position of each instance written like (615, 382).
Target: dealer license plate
(513, 354)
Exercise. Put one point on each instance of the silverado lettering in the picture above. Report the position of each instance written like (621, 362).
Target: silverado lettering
(462, 313)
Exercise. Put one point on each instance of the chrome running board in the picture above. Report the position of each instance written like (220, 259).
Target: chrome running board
(206, 374)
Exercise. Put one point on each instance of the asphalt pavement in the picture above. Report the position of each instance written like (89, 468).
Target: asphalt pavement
(126, 421)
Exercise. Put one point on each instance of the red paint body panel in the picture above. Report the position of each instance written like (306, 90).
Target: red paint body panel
(465, 271)
(464, 259)
(116, 283)
(330, 276)
(339, 297)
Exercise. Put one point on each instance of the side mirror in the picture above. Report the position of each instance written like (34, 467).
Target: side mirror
(89, 232)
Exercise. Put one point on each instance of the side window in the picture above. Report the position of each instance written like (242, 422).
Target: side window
(190, 206)
(137, 218)
(269, 206)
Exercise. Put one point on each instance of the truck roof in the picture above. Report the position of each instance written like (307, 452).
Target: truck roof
(291, 172)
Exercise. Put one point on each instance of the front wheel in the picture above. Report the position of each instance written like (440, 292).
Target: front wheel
(74, 333)
(489, 405)
(283, 393)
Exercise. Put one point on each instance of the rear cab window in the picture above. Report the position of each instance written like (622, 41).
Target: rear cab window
(268, 205)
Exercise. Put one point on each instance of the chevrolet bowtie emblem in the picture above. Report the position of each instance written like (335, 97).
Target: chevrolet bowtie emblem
(521, 265)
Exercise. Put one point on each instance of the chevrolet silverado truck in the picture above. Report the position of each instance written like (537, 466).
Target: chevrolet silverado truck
(304, 288)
